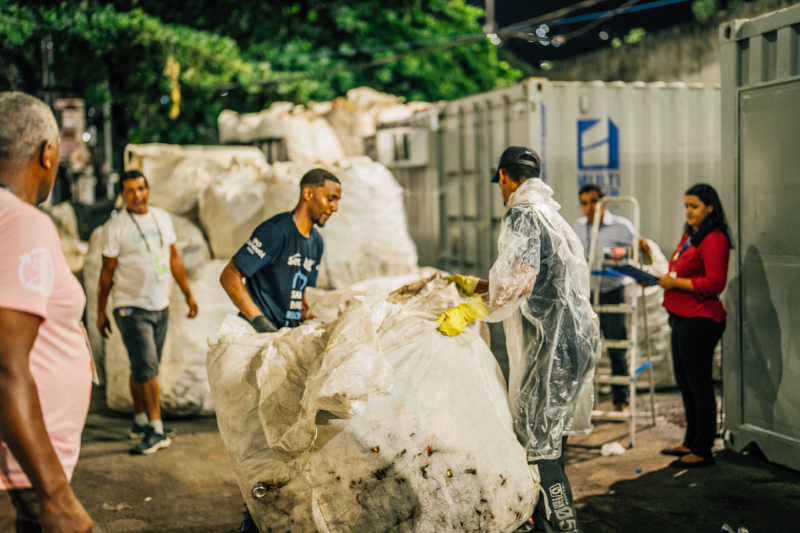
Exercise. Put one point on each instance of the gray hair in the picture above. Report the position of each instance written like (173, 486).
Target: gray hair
(27, 123)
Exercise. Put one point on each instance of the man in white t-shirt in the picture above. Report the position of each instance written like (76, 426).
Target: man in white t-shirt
(139, 258)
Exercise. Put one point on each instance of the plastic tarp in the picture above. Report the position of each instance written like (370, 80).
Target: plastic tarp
(178, 174)
(368, 237)
(374, 422)
(182, 373)
(539, 288)
(192, 249)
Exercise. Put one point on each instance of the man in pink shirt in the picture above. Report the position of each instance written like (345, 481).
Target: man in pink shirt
(45, 364)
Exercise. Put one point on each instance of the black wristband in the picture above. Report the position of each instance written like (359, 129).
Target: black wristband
(263, 325)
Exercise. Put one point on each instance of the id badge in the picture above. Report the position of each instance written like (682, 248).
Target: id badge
(161, 265)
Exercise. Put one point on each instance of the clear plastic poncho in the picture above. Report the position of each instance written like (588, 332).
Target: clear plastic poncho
(539, 288)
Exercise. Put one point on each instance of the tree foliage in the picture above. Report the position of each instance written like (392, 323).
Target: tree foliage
(115, 51)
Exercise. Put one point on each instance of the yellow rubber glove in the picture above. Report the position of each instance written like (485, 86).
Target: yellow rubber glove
(467, 283)
(453, 322)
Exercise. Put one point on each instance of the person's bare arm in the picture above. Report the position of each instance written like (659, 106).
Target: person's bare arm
(106, 278)
(306, 313)
(231, 280)
(179, 273)
(22, 428)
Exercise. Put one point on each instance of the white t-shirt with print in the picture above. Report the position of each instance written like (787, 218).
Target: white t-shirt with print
(136, 283)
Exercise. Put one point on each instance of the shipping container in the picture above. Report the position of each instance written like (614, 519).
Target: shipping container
(760, 137)
(647, 140)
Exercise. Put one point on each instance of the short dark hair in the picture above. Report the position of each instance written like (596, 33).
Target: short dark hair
(592, 187)
(518, 173)
(317, 178)
(131, 175)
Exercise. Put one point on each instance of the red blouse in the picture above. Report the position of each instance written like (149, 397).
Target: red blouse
(707, 267)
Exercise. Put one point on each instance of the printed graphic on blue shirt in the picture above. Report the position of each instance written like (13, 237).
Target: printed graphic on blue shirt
(279, 263)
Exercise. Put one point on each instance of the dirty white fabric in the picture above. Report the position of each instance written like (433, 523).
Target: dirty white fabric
(539, 288)
(368, 237)
(182, 374)
(372, 423)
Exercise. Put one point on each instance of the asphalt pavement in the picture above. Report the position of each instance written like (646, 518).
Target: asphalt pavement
(191, 487)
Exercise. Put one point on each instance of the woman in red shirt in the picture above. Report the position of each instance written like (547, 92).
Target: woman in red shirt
(698, 271)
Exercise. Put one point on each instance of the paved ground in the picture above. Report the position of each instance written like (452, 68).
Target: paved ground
(192, 488)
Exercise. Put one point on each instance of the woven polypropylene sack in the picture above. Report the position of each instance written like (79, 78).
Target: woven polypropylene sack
(426, 447)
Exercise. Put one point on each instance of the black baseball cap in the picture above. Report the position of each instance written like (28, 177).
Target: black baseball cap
(518, 155)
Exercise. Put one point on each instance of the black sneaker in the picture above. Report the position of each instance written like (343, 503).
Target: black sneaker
(138, 432)
(151, 443)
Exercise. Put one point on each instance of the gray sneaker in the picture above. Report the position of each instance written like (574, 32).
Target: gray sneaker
(151, 443)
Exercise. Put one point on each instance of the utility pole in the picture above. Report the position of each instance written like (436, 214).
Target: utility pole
(489, 27)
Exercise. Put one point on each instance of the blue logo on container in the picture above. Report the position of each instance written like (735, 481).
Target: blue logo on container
(598, 160)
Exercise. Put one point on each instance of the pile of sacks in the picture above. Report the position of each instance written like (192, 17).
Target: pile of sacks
(364, 424)
(323, 132)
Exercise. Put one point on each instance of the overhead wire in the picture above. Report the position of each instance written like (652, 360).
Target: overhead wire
(599, 20)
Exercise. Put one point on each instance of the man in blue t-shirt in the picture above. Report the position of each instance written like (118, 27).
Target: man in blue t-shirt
(282, 258)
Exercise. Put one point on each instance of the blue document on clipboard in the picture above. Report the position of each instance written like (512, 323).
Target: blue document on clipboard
(635, 273)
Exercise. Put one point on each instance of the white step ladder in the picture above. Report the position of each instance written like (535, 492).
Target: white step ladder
(598, 264)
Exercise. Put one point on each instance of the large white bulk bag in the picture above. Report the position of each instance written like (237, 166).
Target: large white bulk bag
(327, 146)
(352, 124)
(368, 237)
(230, 209)
(182, 374)
(374, 422)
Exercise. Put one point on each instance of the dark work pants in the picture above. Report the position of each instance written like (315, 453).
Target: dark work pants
(557, 496)
(693, 343)
(613, 327)
(19, 511)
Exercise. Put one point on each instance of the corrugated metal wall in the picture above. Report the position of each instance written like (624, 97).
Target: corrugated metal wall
(761, 135)
(473, 133)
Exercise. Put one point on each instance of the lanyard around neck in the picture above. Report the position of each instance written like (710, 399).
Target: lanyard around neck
(682, 249)
(160, 236)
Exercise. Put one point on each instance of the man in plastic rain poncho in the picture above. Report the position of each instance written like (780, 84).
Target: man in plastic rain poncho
(539, 288)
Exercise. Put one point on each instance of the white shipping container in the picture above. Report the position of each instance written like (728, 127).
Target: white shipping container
(651, 141)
